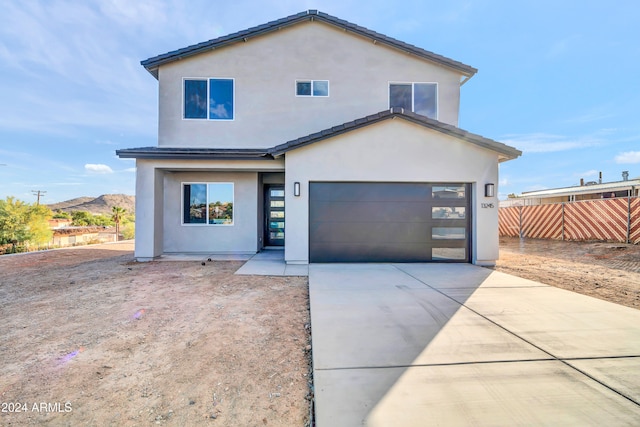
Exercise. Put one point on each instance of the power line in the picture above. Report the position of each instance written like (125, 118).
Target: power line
(38, 193)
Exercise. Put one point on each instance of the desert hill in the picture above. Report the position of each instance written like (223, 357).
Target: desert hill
(97, 205)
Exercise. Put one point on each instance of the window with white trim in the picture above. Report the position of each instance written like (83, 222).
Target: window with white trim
(312, 87)
(207, 203)
(211, 99)
(421, 98)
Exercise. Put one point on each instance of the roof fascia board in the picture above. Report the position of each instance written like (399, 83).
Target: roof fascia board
(152, 64)
(581, 189)
(192, 154)
(506, 152)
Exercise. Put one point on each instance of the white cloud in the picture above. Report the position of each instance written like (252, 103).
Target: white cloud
(628, 157)
(547, 143)
(98, 168)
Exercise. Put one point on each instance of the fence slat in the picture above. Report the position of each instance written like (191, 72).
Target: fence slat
(508, 221)
(542, 222)
(605, 219)
(597, 220)
(634, 230)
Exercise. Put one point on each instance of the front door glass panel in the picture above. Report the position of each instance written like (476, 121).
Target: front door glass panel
(275, 215)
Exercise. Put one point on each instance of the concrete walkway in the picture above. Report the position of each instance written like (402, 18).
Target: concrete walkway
(270, 262)
(456, 344)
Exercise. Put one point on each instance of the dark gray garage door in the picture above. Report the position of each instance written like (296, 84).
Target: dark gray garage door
(388, 222)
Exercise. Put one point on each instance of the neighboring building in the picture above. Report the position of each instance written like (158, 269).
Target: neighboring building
(312, 133)
(56, 223)
(74, 236)
(586, 191)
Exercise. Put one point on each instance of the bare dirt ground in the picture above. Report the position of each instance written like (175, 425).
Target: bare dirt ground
(89, 337)
(609, 271)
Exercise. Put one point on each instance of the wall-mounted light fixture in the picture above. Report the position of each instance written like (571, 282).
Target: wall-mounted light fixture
(296, 189)
(489, 190)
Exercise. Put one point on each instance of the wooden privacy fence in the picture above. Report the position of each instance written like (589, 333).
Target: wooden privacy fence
(613, 220)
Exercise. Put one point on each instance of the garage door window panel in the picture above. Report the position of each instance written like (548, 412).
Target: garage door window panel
(448, 233)
(448, 254)
(446, 191)
(448, 213)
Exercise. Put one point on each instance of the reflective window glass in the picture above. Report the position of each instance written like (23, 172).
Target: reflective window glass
(448, 233)
(446, 212)
(445, 254)
(195, 99)
(453, 191)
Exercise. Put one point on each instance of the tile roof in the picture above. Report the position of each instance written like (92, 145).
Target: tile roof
(170, 153)
(506, 152)
(153, 63)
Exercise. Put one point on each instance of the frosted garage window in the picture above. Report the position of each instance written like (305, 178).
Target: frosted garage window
(446, 191)
(446, 212)
(448, 254)
(448, 233)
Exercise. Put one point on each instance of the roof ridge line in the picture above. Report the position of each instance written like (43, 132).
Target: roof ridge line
(151, 64)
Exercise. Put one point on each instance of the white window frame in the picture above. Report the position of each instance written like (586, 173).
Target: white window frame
(413, 91)
(295, 88)
(208, 79)
(206, 223)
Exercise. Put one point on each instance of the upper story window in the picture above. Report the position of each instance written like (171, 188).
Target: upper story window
(211, 99)
(421, 98)
(312, 87)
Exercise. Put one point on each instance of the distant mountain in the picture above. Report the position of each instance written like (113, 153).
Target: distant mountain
(98, 205)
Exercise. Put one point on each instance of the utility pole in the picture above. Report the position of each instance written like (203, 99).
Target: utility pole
(38, 193)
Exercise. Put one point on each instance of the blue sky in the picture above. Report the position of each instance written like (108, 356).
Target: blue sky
(557, 80)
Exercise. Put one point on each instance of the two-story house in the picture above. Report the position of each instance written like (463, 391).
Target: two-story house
(313, 133)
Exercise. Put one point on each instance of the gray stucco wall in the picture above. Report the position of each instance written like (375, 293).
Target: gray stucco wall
(241, 237)
(393, 151)
(265, 69)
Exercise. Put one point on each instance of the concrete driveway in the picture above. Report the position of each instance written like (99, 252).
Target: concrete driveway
(456, 344)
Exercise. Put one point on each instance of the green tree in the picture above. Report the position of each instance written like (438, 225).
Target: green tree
(61, 215)
(81, 218)
(128, 230)
(23, 224)
(118, 213)
(38, 225)
(102, 220)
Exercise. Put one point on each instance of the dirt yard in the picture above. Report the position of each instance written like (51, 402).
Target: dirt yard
(90, 337)
(609, 271)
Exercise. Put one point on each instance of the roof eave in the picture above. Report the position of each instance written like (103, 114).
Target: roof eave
(153, 63)
(504, 151)
(154, 153)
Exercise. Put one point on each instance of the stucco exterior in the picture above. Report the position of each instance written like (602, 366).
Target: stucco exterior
(158, 206)
(277, 137)
(265, 69)
(392, 151)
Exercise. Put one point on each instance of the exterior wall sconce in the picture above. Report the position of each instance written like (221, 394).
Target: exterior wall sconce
(296, 189)
(489, 190)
